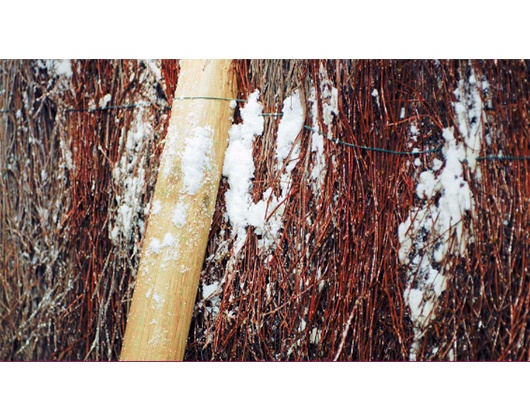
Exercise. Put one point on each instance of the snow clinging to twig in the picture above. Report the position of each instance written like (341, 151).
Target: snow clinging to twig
(434, 229)
(265, 215)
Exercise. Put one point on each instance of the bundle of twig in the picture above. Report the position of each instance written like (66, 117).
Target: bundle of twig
(369, 210)
(333, 286)
(80, 145)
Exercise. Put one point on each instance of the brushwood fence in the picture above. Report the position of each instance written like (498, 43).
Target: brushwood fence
(394, 223)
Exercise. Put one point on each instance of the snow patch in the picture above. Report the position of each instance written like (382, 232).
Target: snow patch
(154, 69)
(196, 158)
(426, 236)
(239, 167)
(375, 94)
(265, 215)
(287, 155)
(435, 228)
(179, 214)
(289, 128)
(155, 246)
(129, 179)
(105, 100)
(57, 67)
(66, 154)
(209, 289)
(169, 240)
(470, 113)
(195, 154)
(330, 98)
(210, 293)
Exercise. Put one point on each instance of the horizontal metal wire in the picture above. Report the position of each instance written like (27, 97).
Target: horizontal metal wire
(335, 140)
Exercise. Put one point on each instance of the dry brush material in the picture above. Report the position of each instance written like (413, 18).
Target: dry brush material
(332, 286)
(75, 185)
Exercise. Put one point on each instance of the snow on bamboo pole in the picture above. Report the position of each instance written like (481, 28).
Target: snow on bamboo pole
(181, 212)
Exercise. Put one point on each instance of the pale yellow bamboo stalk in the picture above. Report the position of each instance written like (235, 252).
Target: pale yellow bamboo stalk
(181, 213)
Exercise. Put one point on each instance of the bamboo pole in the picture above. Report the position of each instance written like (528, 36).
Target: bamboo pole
(181, 213)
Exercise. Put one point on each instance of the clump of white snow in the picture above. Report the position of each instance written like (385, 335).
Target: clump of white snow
(129, 179)
(239, 166)
(265, 215)
(179, 214)
(210, 292)
(287, 156)
(196, 158)
(209, 289)
(57, 67)
(153, 67)
(289, 128)
(432, 231)
(375, 94)
(414, 134)
(105, 100)
(195, 154)
(470, 114)
(63, 67)
(66, 154)
(330, 98)
(435, 229)
(155, 246)
(317, 145)
(168, 242)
